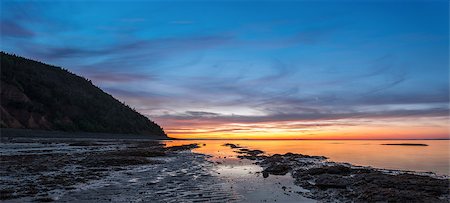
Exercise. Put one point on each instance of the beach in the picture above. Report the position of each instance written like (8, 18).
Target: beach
(67, 170)
(135, 170)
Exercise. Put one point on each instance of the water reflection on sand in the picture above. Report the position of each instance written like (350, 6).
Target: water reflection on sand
(431, 158)
(244, 177)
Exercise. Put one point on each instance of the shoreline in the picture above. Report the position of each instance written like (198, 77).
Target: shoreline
(37, 133)
(71, 169)
(29, 133)
(331, 181)
(238, 139)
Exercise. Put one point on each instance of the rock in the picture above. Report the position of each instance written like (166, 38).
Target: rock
(278, 169)
(182, 147)
(250, 152)
(297, 156)
(231, 145)
(325, 181)
(338, 169)
(250, 157)
(330, 183)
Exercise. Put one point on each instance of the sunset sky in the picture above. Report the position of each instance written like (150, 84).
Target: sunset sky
(246, 69)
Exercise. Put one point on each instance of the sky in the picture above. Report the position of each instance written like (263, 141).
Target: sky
(253, 69)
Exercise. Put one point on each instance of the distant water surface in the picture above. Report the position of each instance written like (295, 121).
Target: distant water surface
(431, 158)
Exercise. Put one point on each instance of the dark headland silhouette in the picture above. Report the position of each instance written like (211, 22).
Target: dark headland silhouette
(38, 96)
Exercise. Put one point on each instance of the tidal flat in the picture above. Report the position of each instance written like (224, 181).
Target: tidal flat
(126, 170)
(68, 170)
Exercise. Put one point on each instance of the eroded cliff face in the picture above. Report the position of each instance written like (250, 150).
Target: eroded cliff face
(39, 96)
(13, 117)
(16, 113)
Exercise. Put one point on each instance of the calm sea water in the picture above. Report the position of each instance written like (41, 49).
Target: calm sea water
(431, 158)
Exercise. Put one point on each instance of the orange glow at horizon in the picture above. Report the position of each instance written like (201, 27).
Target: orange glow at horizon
(344, 129)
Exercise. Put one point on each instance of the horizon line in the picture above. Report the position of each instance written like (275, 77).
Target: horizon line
(301, 139)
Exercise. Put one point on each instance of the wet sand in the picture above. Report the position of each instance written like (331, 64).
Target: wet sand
(120, 170)
(68, 170)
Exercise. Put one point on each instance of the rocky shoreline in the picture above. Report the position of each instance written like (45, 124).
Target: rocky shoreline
(69, 170)
(46, 169)
(330, 181)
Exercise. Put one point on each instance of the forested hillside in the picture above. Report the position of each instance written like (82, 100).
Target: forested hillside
(35, 95)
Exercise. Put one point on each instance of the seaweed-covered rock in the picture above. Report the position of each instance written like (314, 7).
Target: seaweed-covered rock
(325, 181)
(231, 145)
(369, 185)
(278, 169)
(338, 169)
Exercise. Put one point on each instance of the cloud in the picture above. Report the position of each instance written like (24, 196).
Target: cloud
(434, 112)
(382, 98)
(130, 53)
(310, 37)
(201, 114)
(118, 77)
(13, 29)
(54, 53)
(192, 128)
(132, 94)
